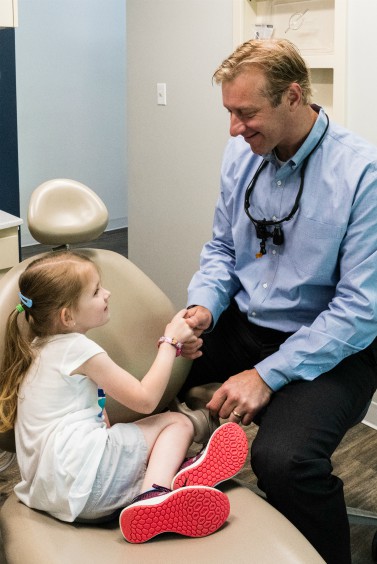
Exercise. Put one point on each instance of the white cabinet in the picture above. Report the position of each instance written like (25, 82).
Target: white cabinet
(316, 27)
(8, 13)
(9, 255)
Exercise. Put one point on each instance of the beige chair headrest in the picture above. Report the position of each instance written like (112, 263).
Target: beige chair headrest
(63, 211)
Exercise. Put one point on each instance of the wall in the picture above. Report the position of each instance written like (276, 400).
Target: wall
(174, 150)
(361, 76)
(70, 68)
(361, 89)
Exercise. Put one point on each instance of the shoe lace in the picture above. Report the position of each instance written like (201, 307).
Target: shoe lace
(160, 489)
(154, 492)
(188, 461)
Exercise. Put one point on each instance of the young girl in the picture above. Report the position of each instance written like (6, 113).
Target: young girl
(73, 464)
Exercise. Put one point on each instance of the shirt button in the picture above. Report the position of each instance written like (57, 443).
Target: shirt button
(265, 285)
(274, 218)
(253, 313)
(274, 252)
(278, 182)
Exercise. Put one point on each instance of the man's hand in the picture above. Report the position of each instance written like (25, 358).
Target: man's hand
(199, 318)
(241, 397)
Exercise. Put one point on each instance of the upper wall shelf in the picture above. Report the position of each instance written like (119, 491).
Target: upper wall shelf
(316, 27)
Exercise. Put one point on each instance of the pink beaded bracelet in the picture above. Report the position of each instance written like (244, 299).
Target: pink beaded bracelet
(172, 341)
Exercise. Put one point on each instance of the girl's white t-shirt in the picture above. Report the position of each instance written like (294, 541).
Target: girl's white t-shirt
(60, 432)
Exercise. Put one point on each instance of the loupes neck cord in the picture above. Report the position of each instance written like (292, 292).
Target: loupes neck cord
(261, 225)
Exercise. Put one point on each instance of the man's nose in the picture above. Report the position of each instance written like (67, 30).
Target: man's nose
(237, 126)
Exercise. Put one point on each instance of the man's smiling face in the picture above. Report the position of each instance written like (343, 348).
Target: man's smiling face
(263, 126)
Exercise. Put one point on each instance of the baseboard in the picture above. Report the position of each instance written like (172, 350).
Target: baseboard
(371, 416)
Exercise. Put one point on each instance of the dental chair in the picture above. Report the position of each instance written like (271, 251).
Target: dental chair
(65, 212)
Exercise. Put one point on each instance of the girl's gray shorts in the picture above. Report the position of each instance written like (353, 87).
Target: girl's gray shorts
(120, 473)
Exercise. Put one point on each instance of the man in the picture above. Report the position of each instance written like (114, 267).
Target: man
(284, 305)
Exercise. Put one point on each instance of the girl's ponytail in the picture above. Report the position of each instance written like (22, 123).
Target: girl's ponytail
(17, 358)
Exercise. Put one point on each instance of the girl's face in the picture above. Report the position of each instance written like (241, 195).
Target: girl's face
(93, 306)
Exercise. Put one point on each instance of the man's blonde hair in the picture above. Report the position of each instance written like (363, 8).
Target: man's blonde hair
(280, 61)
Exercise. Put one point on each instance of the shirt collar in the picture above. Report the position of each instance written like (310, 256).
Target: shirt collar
(310, 142)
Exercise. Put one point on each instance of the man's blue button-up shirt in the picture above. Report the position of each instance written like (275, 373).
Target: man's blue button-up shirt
(321, 283)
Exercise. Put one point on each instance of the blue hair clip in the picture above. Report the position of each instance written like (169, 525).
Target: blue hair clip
(26, 301)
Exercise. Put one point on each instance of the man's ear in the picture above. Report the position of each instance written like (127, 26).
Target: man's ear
(66, 317)
(294, 95)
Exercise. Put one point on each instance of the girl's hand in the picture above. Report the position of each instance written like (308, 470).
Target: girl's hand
(178, 327)
(199, 318)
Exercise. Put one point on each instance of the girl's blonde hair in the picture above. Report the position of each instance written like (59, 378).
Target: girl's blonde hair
(52, 282)
(279, 59)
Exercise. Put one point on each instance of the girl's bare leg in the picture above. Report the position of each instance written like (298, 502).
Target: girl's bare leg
(168, 436)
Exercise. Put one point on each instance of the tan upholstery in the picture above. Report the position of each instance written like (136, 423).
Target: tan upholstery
(254, 533)
(63, 211)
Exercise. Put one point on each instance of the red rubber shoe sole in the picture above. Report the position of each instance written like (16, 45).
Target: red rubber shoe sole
(223, 457)
(194, 512)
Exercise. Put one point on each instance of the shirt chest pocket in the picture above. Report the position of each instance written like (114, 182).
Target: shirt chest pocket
(313, 247)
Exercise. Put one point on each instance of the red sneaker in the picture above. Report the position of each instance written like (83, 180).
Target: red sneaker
(221, 459)
(195, 511)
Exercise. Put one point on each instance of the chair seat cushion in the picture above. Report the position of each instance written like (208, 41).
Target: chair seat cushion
(254, 533)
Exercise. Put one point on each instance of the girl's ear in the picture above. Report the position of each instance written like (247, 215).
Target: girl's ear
(66, 317)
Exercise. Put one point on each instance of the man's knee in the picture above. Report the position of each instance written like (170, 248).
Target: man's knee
(270, 464)
(278, 466)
